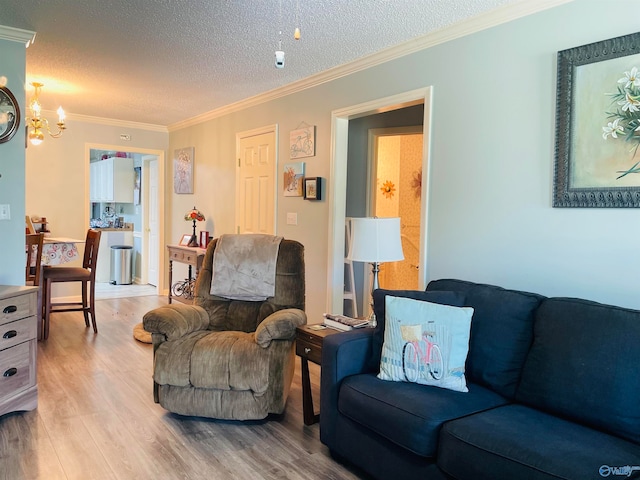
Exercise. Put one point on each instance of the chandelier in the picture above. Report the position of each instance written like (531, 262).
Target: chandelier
(36, 123)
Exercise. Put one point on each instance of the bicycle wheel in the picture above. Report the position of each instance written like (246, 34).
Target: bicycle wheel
(189, 289)
(177, 289)
(410, 362)
(436, 364)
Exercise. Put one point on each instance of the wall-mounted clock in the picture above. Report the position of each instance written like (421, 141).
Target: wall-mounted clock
(9, 115)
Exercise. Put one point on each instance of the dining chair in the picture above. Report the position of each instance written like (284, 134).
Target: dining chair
(30, 229)
(33, 244)
(85, 274)
(34, 258)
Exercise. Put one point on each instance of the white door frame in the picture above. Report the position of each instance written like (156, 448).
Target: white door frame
(252, 133)
(144, 263)
(338, 188)
(161, 173)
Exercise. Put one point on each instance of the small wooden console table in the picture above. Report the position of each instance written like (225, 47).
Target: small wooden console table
(192, 256)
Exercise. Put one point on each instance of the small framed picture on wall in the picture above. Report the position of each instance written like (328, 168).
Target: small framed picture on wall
(313, 188)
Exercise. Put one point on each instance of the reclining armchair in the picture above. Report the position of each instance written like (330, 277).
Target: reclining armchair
(229, 359)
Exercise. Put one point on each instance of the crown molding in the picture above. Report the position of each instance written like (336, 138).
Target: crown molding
(108, 121)
(16, 34)
(478, 23)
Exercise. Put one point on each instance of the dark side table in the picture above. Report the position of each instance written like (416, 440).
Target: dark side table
(309, 348)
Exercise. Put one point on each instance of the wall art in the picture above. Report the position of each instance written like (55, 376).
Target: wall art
(313, 188)
(597, 160)
(293, 174)
(302, 142)
(183, 170)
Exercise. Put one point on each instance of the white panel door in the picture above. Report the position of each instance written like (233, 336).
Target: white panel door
(153, 223)
(256, 179)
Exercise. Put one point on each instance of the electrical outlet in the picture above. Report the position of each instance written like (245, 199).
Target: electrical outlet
(292, 218)
(5, 212)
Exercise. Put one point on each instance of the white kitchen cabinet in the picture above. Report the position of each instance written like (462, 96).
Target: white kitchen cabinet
(108, 238)
(111, 180)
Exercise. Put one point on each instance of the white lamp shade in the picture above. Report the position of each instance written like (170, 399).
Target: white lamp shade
(375, 240)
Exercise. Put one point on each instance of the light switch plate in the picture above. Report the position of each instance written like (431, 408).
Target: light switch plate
(5, 212)
(292, 218)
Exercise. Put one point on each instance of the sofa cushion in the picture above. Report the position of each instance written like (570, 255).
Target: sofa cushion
(517, 442)
(425, 343)
(501, 332)
(455, 299)
(583, 365)
(409, 414)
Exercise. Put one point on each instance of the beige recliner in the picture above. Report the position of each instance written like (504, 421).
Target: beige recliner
(229, 359)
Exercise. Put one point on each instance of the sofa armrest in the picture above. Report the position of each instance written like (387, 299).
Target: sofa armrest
(344, 354)
(280, 325)
(175, 320)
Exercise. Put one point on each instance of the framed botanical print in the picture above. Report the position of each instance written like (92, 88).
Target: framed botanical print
(598, 125)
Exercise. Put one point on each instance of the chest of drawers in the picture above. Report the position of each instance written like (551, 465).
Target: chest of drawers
(18, 347)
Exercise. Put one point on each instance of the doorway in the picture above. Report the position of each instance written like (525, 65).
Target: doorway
(338, 190)
(394, 190)
(146, 212)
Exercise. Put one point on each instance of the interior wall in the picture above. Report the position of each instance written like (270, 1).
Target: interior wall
(12, 175)
(492, 156)
(58, 174)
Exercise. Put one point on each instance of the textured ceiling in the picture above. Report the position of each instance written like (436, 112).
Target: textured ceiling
(164, 61)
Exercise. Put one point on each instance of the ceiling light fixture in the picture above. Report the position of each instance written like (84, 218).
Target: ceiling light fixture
(36, 122)
(280, 52)
(296, 32)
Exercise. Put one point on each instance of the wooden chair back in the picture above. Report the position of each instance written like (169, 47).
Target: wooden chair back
(91, 251)
(30, 229)
(34, 257)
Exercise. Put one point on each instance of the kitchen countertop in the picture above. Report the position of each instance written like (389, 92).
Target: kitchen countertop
(113, 229)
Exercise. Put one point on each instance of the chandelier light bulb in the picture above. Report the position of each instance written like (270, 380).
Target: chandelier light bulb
(296, 34)
(37, 123)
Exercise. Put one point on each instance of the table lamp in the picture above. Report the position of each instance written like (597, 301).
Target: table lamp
(197, 216)
(375, 240)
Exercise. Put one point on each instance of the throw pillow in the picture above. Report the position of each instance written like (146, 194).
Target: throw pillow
(425, 343)
(455, 299)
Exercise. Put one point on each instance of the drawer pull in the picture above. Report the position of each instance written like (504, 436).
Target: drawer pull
(10, 309)
(10, 334)
(307, 350)
(11, 372)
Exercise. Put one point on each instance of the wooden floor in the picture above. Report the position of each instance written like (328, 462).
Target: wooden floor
(96, 418)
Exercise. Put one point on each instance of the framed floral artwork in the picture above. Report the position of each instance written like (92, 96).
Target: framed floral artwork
(597, 160)
(183, 170)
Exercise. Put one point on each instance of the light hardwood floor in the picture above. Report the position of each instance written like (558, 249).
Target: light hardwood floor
(96, 418)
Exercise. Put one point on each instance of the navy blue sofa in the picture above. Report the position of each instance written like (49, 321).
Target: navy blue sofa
(554, 393)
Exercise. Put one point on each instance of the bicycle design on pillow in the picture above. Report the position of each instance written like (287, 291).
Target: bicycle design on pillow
(421, 355)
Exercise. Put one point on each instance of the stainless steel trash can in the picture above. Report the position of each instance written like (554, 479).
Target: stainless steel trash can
(121, 264)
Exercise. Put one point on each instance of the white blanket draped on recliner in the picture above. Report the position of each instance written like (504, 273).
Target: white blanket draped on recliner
(244, 266)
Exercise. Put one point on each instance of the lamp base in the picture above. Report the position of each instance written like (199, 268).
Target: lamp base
(375, 268)
(193, 242)
(373, 322)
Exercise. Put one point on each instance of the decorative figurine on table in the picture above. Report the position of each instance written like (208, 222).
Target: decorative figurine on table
(196, 216)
